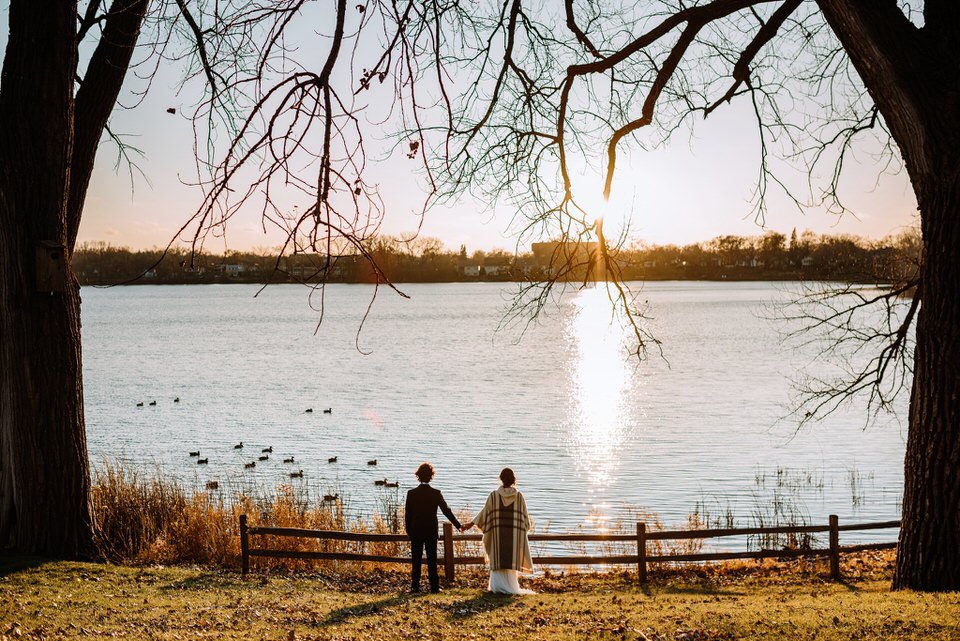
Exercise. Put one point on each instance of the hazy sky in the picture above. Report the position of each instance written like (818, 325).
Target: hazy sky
(699, 188)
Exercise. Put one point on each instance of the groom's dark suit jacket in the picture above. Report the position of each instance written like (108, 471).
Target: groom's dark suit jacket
(421, 513)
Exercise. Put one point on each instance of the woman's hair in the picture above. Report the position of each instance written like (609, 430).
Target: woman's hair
(507, 477)
(425, 472)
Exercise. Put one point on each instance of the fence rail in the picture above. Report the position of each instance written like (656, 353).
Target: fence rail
(641, 558)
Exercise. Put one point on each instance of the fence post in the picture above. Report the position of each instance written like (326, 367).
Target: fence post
(244, 546)
(642, 552)
(448, 551)
(834, 547)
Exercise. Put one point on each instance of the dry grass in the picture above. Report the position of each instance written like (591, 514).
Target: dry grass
(142, 521)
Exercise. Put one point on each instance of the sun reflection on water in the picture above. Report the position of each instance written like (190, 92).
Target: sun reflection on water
(600, 378)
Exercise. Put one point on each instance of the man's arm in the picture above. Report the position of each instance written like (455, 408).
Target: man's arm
(408, 514)
(447, 512)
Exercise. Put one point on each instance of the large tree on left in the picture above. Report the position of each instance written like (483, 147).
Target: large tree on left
(52, 117)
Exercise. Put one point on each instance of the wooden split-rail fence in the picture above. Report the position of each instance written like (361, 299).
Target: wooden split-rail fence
(641, 558)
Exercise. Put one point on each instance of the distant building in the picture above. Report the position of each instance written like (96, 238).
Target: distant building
(471, 270)
(497, 264)
(569, 260)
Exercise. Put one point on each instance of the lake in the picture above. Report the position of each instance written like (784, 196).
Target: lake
(594, 437)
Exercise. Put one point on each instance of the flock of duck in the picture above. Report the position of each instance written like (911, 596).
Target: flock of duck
(153, 403)
(265, 456)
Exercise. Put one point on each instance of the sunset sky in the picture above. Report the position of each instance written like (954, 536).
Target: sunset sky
(698, 188)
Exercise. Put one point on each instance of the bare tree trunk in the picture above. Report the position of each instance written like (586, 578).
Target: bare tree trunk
(44, 478)
(912, 75)
(928, 556)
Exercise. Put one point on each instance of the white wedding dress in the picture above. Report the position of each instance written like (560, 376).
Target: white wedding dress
(505, 582)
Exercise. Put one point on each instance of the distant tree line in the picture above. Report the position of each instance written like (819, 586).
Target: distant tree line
(772, 256)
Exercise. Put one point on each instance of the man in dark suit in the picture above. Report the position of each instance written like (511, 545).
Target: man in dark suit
(421, 522)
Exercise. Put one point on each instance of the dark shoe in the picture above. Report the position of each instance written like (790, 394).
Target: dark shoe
(437, 591)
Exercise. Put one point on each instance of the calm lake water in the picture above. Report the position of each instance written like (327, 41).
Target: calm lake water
(592, 435)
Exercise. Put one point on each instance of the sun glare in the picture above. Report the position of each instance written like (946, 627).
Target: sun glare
(600, 377)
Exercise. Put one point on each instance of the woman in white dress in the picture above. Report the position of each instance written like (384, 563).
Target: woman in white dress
(504, 521)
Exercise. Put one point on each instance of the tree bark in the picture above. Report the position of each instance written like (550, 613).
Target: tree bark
(913, 75)
(928, 555)
(44, 478)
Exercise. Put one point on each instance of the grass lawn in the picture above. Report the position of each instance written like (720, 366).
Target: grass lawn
(66, 600)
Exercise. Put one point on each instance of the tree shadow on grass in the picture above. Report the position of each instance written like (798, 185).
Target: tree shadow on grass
(851, 586)
(692, 590)
(371, 608)
(13, 563)
(205, 581)
(483, 602)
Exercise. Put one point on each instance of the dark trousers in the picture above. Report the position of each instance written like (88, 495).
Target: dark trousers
(417, 547)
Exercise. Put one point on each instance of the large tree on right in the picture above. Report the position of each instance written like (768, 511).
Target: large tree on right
(913, 75)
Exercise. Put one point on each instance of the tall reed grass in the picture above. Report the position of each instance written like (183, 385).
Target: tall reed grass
(153, 520)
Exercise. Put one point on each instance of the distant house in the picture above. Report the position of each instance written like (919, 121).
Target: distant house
(497, 264)
(471, 270)
(234, 270)
(572, 260)
(806, 261)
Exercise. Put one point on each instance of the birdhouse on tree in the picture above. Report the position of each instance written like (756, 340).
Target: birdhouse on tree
(51, 267)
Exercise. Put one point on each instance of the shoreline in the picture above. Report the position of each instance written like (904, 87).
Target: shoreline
(773, 278)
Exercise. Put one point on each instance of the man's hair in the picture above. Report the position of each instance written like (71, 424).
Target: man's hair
(507, 477)
(425, 472)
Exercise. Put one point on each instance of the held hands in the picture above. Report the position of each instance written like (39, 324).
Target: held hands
(466, 526)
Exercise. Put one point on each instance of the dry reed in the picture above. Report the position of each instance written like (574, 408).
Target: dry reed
(157, 521)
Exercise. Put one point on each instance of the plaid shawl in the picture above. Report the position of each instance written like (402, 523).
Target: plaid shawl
(505, 532)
